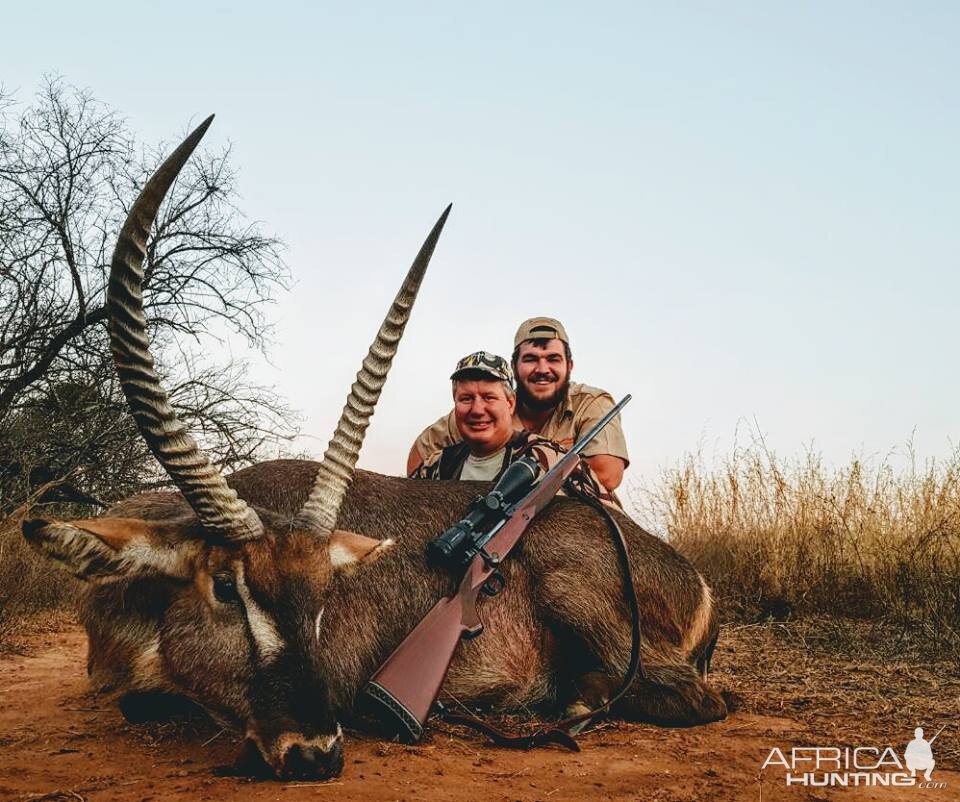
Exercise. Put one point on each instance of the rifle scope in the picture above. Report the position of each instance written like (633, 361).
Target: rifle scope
(456, 547)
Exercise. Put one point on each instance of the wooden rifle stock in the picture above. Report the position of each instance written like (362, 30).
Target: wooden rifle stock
(408, 683)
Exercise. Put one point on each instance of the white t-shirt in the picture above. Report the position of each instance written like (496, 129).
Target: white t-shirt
(482, 468)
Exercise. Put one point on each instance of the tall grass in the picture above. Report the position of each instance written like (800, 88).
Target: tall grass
(780, 538)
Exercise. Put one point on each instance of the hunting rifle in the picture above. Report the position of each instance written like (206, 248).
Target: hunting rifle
(408, 683)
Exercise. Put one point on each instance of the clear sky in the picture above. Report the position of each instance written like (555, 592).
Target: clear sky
(739, 210)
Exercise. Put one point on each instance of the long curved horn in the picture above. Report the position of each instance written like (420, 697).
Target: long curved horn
(320, 511)
(221, 513)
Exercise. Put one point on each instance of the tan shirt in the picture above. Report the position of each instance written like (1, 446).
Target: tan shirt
(571, 420)
(453, 462)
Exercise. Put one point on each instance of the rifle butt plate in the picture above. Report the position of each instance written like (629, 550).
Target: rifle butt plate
(409, 729)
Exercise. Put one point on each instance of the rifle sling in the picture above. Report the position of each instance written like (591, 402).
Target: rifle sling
(563, 732)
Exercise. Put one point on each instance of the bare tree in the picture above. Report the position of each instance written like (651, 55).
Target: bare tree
(69, 171)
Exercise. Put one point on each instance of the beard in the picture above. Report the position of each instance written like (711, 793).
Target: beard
(555, 399)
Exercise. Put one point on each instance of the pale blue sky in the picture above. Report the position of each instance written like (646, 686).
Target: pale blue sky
(740, 210)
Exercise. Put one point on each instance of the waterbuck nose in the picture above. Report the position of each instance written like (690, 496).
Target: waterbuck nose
(303, 761)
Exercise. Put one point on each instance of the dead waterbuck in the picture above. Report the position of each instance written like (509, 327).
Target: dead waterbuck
(271, 596)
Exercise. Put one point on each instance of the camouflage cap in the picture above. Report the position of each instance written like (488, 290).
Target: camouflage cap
(483, 362)
(537, 328)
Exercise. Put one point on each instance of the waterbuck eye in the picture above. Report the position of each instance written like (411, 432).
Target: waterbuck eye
(225, 588)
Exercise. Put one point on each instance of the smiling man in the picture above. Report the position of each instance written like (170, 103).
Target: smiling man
(483, 405)
(547, 404)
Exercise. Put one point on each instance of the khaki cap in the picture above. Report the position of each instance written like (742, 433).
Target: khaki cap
(537, 328)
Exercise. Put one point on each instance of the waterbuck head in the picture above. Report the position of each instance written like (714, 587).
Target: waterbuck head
(241, 590)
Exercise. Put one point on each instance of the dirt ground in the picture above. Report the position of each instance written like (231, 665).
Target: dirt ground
(795, 689)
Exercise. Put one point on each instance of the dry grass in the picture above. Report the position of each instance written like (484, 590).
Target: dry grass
(844, 683)
(30, 585)
(781, 539)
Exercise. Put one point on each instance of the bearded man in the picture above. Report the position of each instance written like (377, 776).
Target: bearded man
(547, 404)
(484, 401)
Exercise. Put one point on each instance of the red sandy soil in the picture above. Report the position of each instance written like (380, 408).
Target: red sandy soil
(60, 742)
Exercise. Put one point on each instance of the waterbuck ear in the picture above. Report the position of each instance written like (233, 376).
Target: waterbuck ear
(107, 549)
(348, 549)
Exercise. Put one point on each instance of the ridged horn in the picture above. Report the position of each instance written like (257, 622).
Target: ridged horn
(320, 511)
(221, 513)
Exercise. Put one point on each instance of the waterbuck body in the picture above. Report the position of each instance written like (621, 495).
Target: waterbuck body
(271, 596)
(558, 635)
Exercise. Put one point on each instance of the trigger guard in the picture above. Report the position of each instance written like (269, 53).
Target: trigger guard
(494, 585)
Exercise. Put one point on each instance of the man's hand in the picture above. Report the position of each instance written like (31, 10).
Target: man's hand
(414, 460)
(607, 469)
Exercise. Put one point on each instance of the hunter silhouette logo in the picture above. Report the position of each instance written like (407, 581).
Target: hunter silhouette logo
(821, 766)
(919, 755)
